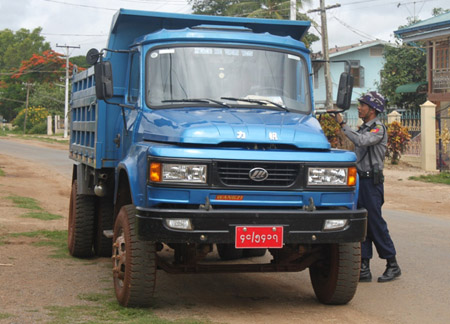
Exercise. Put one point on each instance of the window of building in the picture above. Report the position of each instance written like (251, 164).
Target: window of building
(376, 51)
(442, 55)
(357, 71)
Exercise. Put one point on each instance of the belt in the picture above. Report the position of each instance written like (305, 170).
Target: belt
(365, 174)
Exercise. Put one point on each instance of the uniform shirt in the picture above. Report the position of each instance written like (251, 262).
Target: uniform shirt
(368, 135)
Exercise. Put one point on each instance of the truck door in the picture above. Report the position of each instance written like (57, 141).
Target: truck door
(132, 98)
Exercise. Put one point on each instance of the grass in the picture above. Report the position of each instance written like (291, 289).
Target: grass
(2, 173)
(36, 211)
(43, 138)
(55, 239)
(5, 316)
(41, 215)
(442, 178)
(25, 202)
(105, 309)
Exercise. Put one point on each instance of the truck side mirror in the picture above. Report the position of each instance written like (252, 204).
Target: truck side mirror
(344, 95)
(103, 80)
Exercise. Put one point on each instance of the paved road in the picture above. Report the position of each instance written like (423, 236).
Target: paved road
(57, 159)
(421, 295)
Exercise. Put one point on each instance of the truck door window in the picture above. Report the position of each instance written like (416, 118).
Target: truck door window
(174, 75)
(135, 75)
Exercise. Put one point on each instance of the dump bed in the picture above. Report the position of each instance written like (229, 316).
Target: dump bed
(91, 138)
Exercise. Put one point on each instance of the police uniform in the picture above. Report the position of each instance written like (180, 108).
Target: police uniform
(370, 148)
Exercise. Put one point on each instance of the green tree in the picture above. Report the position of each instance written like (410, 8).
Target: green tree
(49, 95)
(403, 64)
(211, 7)
(439, 11)
(269, 9)
(79, 61)
(16, 47)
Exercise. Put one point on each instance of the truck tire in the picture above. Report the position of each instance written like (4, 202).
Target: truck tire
(81, 223)
(134, 262)
(335, 278)
(103, 221)
(229, 252)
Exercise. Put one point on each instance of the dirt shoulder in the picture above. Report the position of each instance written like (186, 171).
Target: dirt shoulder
(414, 196)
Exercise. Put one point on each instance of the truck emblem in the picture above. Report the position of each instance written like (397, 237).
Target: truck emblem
(241, 134)
(258, 174)
(273, 136)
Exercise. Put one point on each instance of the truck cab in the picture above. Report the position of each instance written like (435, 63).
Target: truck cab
(195, 141)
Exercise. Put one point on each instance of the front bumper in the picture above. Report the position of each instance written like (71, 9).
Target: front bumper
(218, 226)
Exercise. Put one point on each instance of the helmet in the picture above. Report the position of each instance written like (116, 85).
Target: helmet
(374, 100)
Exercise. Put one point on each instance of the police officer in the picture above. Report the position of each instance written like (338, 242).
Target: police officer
(370, 147)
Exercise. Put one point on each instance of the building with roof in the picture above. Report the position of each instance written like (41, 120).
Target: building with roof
(366, 61)
(434, 34)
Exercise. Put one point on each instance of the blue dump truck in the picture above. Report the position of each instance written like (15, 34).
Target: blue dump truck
(196, 150)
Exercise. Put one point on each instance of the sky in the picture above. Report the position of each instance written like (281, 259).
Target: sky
(86, 23)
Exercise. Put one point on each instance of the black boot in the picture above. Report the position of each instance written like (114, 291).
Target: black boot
(365, 275)
(392, 271)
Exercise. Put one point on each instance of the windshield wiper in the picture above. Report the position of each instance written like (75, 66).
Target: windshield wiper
(265, 102)
(203, 100)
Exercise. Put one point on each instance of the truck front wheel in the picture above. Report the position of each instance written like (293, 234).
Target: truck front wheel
(134, 262)
(335, 277)
(81, 223)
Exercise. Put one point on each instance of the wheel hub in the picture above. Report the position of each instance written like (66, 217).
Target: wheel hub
(119, 257)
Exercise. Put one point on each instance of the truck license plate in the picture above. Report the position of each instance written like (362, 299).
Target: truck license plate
(259, 237)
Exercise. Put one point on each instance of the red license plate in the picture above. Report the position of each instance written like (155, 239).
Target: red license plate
(259, 237)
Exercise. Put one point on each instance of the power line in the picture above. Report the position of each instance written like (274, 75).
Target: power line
(356, 31)
(163, 2)
(80, 5)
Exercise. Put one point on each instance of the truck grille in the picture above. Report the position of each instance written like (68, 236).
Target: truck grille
(237, 174)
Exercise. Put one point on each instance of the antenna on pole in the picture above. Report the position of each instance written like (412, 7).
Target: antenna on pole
(66, 105)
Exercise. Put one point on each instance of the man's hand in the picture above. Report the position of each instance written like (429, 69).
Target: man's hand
(338, 117)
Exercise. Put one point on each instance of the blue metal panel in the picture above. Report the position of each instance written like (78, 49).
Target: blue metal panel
(93, 124)
(250, 198)
(252, 155)
(218, 125)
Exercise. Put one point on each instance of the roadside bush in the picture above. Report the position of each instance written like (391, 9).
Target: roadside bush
(398, 138)
(40, 128)
(35, 116)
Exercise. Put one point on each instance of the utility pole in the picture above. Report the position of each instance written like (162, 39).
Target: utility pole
(293, 12)
(66, 105)
(26, 108)
(326, 55)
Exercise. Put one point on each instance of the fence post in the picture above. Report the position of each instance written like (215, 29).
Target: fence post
(56, 124)
(428, 136)
(394, 116)
(49, 125)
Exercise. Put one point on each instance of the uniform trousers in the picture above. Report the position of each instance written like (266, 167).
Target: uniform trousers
(371, 197)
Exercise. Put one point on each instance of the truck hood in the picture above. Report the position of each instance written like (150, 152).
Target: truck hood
(214, 126)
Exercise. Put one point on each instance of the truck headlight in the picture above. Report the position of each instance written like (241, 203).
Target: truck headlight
(332, 176)
(172, 172)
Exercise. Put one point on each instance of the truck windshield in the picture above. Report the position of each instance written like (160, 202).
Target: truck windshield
(227, 77)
